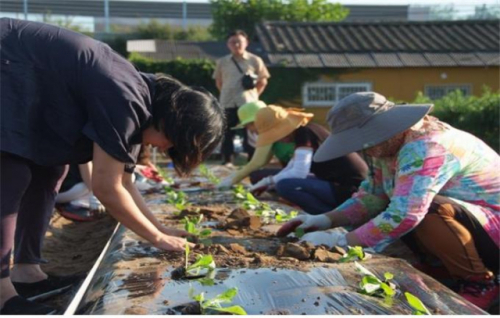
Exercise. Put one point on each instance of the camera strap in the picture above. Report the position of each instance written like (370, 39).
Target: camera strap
(237, 65)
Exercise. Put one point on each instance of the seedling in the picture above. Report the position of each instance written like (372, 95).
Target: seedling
(282, 216)
(215, 304)
(353, 253)
(264, 210)
(203, 262)
(371, 285)
(239, 192)
(417, 305)
(204, 171)
(165, 176)
(193, 226)
(177, 199)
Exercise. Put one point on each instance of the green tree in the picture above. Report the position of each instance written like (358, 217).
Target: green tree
(229, 15)
(156, 30)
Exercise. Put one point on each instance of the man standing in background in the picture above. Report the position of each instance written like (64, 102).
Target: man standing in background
(240, 77)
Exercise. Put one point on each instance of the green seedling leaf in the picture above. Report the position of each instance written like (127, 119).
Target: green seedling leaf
(299, 232)
(369, 284)
(388, 276)
(388, 291)
(190, 227)
(235, 310)
(205, 261)
(205, 233)
(205, 171)
(199, 298)
(282, 216)
(353, 253)
(416, 304)
(225, 297)
(206, 281)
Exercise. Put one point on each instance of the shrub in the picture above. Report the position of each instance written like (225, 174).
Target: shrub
(195, 72)
(478, 115)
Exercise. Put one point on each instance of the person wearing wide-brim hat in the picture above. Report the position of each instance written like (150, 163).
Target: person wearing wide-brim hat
(289, 135)
(437, 186)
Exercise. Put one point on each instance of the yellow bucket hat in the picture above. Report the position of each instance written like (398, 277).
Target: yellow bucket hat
(246, 113)
(274, 123)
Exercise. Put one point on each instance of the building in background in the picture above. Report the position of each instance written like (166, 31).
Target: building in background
(396, 59)
(97, 15)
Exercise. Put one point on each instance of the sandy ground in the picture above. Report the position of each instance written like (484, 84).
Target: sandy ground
(71, 248)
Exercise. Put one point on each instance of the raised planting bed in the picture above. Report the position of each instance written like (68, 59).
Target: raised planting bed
(272, 275)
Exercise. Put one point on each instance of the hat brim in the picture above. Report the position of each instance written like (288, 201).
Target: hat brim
(243, 124)
(287, 127)
(378, 129)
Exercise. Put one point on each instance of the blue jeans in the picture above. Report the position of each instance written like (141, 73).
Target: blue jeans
(313, 195)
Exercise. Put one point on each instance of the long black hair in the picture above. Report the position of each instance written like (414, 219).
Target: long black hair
(191, 118)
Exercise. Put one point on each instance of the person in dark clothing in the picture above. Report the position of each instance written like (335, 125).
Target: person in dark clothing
(69, 99)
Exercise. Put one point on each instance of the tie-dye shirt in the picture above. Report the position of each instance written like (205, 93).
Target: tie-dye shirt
(435, 159)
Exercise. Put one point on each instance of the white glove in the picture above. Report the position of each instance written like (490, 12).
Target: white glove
(95, 204)
(313, 222)
(227, 182)
(264, 183)
(329, 238)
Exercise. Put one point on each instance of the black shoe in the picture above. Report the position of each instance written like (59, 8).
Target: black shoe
(29, 290)
(17, 305)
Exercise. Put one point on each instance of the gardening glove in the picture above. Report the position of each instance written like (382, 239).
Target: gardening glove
(226, 183)
(307, 222)
(329, 238)
(95, 204)
(263, 185)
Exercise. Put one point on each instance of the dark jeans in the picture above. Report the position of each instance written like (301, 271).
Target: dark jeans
(313, 195)
(260, 174)
(27, 193)
(227, 147)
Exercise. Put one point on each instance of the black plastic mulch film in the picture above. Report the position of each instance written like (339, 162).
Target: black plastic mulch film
(133, 279)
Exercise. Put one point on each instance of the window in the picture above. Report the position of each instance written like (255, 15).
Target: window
(439, 91)
(327, 94)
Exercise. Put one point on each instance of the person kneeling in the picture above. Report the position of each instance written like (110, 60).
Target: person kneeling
(435, 186)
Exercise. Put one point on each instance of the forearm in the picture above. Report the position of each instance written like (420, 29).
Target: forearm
(122, 206)
(141, 204)
(261, 157)
(261, 85)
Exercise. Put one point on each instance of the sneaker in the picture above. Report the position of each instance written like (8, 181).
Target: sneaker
(29, 290)
(17, 305)
(483, 295)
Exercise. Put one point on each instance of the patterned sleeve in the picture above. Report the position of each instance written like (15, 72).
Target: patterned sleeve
(368, 201)
(423, 168)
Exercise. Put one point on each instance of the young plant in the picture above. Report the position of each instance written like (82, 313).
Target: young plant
(353, 253)
(371, 285)
(177, 199)
(417, 305)
(193, 226)
(165, 176)
(240, 193)
(282, 216)
(205, 172)
(215, 304)
(203, 262)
